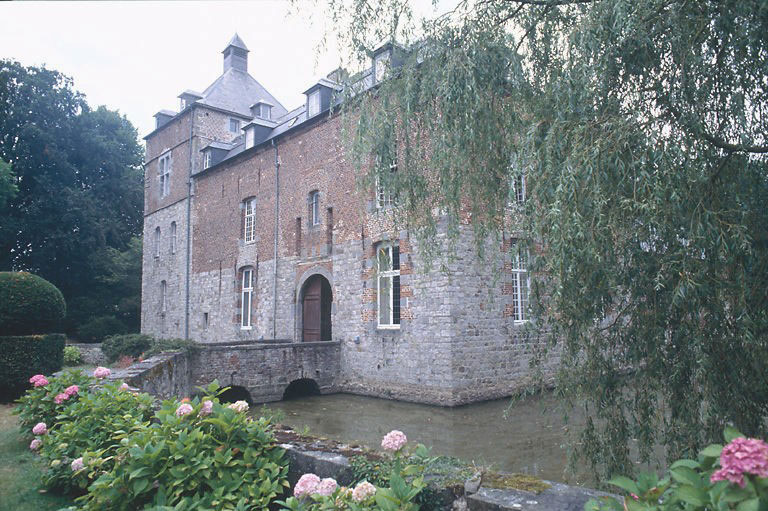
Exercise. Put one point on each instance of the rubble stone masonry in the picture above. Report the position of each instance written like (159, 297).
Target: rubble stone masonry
(456, 344)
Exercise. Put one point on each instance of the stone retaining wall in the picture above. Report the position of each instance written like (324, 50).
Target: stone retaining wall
(558, 497)
(164, 376)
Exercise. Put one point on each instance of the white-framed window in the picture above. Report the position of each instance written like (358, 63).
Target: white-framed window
(388, 285)
(157, 242)
(163, 297)
(520, 283)
(313, 104)
(384, 196)
(314, 207)
(182, 104)
(164, 174)
(249, 221)
(173, 237)
(518, 189)
(246, 299)
(207, 159)
(265, 111)
(234, 125)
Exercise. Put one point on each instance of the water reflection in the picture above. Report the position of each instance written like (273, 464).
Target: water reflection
(530, 439)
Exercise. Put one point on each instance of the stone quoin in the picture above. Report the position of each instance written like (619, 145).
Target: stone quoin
(256, 229)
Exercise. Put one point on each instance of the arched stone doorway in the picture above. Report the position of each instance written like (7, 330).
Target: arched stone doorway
(316, 298)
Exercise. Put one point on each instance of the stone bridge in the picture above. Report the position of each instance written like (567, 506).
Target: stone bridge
(266, 370)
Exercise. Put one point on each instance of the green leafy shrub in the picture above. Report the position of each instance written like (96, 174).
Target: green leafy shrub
(187, 459)
(97, 329)
(72, 356)
(161, 345)
(29, 304)
(129, 345)
(21, 357)
(734, 477)
(39, 404)
(89, 429)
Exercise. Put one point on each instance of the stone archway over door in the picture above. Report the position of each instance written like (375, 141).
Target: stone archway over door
(316, 310)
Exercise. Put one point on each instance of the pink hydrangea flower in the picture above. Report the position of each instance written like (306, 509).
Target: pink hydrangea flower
(77, 464)
(742, 456)
(101, 372)
(124, 386)
(40, 429)
(306, 485)
(35, 444)
(38, 380)
(239, 406)
(394, 440)
(183, 409)
(72, 390)
(362, 491)
(60, 398)
(206, 408)
(326, 487)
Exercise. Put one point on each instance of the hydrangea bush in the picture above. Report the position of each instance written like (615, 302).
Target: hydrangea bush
(84, 441)
(730, 477)
(193, 455)
(49, 396)
(406, 482)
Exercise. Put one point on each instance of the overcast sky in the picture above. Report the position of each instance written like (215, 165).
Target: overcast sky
(137, 57)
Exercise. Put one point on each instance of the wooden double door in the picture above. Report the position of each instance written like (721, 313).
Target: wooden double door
(316, 310)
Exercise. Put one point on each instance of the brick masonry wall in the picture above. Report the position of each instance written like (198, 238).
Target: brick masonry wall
(457, 342)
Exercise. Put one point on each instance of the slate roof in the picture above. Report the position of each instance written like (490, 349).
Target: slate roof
(236, 91)
(237, 42)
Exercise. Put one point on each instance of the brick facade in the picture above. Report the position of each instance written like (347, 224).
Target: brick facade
(457, 341)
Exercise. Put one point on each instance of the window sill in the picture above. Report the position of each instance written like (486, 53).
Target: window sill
(388, 327)
(521, 321)
(246, 328)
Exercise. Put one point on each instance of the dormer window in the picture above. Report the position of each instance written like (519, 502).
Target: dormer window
(313, 104)
(182, 104)
(207, 160)
(381, 66)
(265, 111)
(234, 125)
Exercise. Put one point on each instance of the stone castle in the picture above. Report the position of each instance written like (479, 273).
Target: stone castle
(256, 230)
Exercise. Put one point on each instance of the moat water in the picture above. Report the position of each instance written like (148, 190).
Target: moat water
(525, 436)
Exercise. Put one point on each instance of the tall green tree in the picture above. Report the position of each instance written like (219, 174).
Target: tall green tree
(8, 186)
(642, 130)
(79, 178)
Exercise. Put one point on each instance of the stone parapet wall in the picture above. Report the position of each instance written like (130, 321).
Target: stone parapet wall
(165, 376)
(266, 369)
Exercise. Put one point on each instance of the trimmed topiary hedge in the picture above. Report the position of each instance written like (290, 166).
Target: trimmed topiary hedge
(24, 356)
(29, 305)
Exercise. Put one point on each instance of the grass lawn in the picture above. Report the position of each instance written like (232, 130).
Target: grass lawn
(21, 471)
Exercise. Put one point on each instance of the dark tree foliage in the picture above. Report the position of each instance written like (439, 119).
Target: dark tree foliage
(641, 127)
(79, 179)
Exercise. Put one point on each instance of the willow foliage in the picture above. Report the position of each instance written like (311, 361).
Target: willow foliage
(641, 127)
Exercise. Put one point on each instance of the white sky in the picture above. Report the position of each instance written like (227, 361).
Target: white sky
(137, 57)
